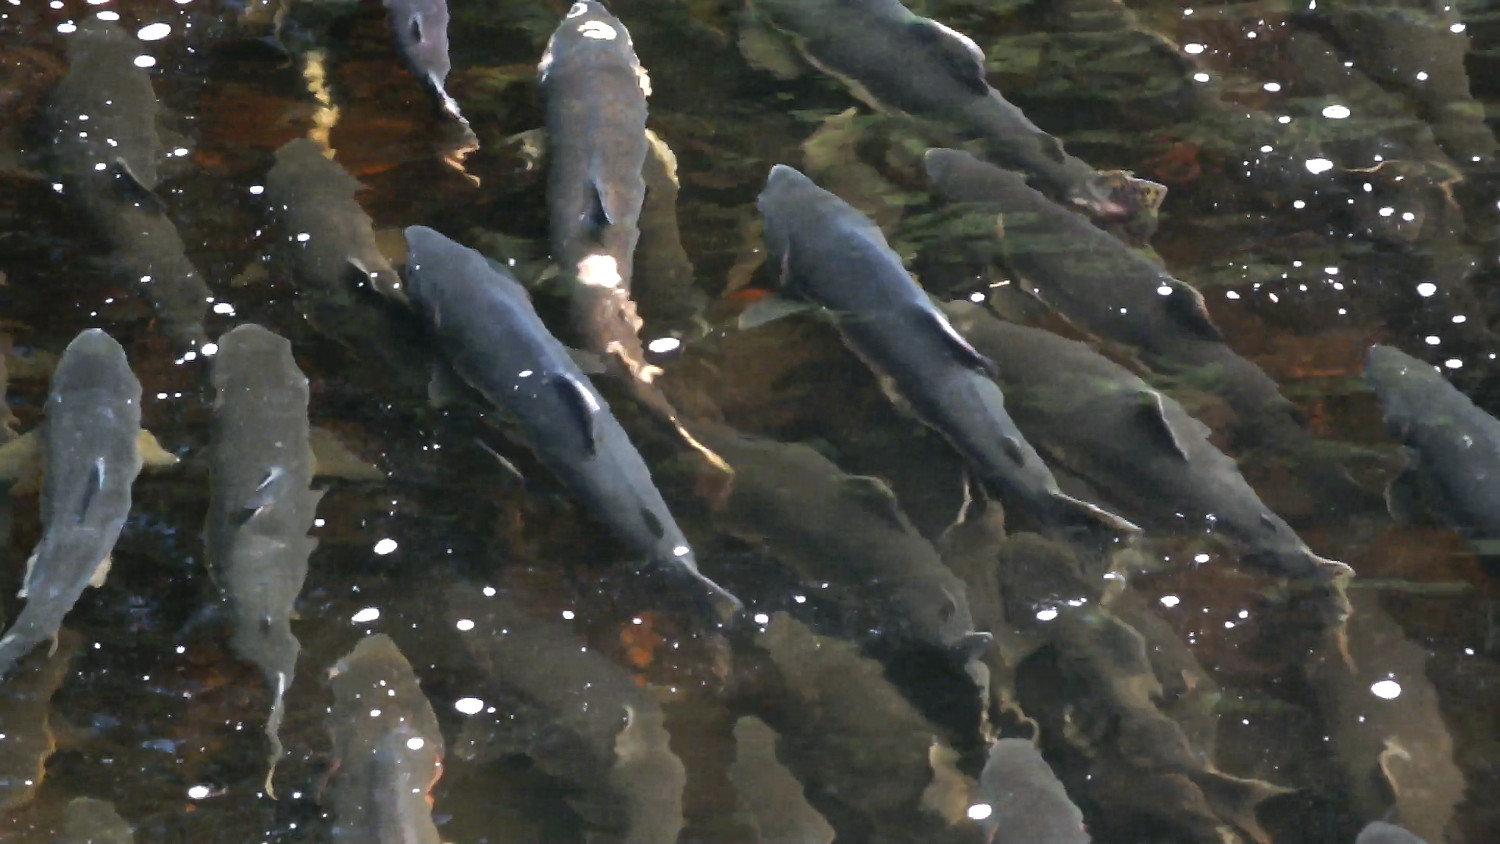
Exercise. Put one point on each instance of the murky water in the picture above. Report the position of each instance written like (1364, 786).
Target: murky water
(1333, 184)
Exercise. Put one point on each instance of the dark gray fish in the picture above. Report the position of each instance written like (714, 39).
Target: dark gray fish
(1138, 447)
(1027, 802)
(327, 236)
(829, 255)
(1380, 832)
(594, 91)
(1108, 290)
(387, 748)
(486, 327)
(260, 504)
(91, 821)
(93, 421)
(768, 794)
(420, 28)
(896, 60)
(577, 715)
(105, 152)
(25, 720)
(1454, 447)
(668, 292)
(846, 530)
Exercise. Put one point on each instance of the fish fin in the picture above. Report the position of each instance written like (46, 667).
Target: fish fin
(588, 362)
(770, 309)
(153, 456)
(533, 144)
(610, 204)
(1154, 414)
(766, 49)
(957, 52)
(131, 185)
(26, 579)
(1186, 304)
(1074, 512)
(877, 497)
(1403, 494)
(333, 459)
(961, 349)
(972, 646)
(445, 388)
(584, 405)
(101, 573)
(502, 460)
(93, 488)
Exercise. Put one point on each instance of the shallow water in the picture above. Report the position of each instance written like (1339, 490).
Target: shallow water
(1301, 264)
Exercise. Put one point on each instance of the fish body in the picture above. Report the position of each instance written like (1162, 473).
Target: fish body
(1455, 446)
(1027, 801)
(25, 721)
(577, 715)
(768, 794)
(1138, 447)
(896, 60)
(93, 421)
(831, 256)
(1381, 832)
(494, 340)
(594, 91)
(91, 821)
(846, 530)
(105, 152)
(260, 504)
(387, 746)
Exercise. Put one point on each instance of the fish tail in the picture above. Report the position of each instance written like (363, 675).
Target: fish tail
(273, 732)
(18, 642)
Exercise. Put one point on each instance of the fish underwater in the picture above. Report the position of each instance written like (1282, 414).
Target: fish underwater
(493, 339)
(848, 531)
(768, 795)
(106, 154)
(1381, 832)
(1138, 447)
(260, 505)
(387, 746)
(898, 61)
(1026, 801)
(577, 715)
(829, 255)
(91, 821)
(420, 28)
(93, 423)
(26, 720)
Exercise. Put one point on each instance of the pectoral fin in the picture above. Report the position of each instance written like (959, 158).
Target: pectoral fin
(959, 55)
(584, 406)
(132, 187)
(445, 388)
(1154, 415)
(588, 362)
(1185, 303)
(1403, 495)
(876, 497)
(770, 309)
(153, 456)
(931, 320)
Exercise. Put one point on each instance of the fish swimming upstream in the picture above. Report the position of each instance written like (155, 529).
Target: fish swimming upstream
(93, 422)
(485, 325)
(829, 255)
(260, 504)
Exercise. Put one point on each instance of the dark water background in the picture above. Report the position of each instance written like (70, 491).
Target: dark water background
(155, 705)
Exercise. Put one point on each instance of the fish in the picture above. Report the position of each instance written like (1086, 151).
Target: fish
(668, 293)
(1452, 446)
(594, 93)
(867, 758)
(898, 61)
(577, 715)
(1380, 832)
(767, 793)
(848, 531)
(420, 28)
(1137, 447)
(828, 255)
(106, 154)
(91, 821)
(328, 237)
(261, 505)
(485, 325)
(387, 747)
(25, 721)
(93, 422)
(1105, 289)
(1026, 801)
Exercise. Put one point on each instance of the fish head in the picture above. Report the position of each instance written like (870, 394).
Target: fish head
(421, 31)
(587, 29)
(1404, 385)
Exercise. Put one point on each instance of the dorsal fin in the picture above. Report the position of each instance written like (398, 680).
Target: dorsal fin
(876, 497)
(584, 405)
(1185, 304)
(929, 319)
(958, 54)
(1154, 414)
